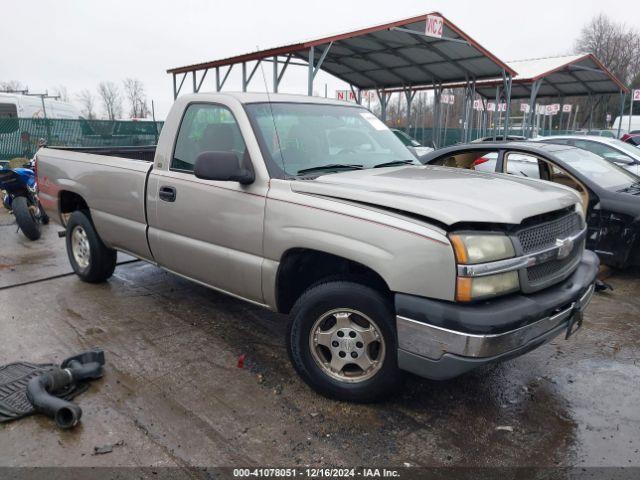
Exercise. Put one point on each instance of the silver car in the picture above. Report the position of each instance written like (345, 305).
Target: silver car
(622, 154)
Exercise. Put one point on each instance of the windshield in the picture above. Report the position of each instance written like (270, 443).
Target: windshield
(303, 138)
(406, 139)
(603, 173)
(627, 148)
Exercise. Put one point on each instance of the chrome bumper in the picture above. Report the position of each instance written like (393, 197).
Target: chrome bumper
(433, 342)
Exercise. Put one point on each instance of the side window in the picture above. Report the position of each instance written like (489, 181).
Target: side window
(603, 151)
(522, 165)
(206, 128)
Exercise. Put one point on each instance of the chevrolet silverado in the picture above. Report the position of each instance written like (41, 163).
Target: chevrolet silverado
(313, 208)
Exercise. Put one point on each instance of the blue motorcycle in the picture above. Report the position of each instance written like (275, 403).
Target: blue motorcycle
(20, 196)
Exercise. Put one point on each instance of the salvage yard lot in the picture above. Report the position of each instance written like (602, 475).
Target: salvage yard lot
(173, 394)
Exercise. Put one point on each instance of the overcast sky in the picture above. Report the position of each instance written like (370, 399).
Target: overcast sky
(80, 43)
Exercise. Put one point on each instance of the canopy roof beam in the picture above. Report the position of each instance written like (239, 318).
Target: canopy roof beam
(219, 83)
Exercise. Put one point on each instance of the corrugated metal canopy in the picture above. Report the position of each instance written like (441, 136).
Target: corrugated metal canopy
(567, 76)
(392, 55)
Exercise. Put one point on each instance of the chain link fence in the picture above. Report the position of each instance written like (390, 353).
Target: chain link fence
(19, 137)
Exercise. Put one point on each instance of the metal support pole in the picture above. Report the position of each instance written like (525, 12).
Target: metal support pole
(193, 78)
(220, 83)
(497, 109)
(383, 97)
(409, 95)
(310, 73)
(508, 107)
(465, 112)
(244, 76)
(622, 98)
(535, 88)
(630, 111)
(471, 109)
(275, 74)
(437, 112)
(175, 88)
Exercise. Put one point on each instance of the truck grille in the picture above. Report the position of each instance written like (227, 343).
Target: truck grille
(543, 236)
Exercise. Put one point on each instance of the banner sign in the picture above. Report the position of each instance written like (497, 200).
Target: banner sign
(349, 96)
(552, 109)
(434, 26)
(636, 95)
(566, 108)
(448, 99)
(477, 104)
(491, 107)
(524, 107)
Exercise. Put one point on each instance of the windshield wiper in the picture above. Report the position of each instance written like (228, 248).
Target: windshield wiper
(633, 186)
(394, 163)
(333, 166)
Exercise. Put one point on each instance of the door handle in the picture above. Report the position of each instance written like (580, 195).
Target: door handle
(167, 193)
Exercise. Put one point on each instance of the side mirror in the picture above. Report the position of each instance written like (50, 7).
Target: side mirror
(222, 166)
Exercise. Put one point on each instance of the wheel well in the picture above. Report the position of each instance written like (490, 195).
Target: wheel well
(70, 202)
(300, 268)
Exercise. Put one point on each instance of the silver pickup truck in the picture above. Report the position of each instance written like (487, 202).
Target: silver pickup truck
(313, 208)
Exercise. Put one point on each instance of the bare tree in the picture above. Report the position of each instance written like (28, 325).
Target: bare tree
(615, 44)
(12, 86)
(135, 95)
(61, 92)
(111, 99)
(88, 103)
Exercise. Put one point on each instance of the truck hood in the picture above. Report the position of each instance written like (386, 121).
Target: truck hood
(447, 195)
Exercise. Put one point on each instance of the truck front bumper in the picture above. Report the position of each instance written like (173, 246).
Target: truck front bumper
(441, 340)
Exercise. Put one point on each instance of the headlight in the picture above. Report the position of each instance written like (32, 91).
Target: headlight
(472, 249)
(476, 288)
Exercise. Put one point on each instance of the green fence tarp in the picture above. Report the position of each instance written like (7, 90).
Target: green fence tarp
(19, 137)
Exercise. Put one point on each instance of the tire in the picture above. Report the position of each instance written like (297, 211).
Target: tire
(25, 218)
(90, 258)
(310, 331)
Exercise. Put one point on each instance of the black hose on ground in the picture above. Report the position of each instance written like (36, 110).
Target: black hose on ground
(41, 390)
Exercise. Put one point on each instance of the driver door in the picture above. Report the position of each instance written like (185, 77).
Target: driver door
(209, 231)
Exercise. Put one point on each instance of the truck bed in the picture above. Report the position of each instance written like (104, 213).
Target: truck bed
(111, 180)
(144, 153)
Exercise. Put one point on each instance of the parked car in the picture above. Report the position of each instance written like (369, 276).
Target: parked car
(632, 138)
(611, 195)
(411, 143)
(612, 149)
(626, 126)
(315, 209)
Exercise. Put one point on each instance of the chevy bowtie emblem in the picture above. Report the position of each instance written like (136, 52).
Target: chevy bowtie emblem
(565, 245)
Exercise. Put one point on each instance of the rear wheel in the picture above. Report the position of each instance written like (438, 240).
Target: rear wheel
(342, 342)
(25, 217)
(90, 258)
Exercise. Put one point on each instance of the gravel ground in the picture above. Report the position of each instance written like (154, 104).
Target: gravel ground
(173, 394)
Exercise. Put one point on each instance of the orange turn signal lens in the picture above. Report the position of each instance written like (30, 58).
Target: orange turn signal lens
(459, 248)
(463, 289)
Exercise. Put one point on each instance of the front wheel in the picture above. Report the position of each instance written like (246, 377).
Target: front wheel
(26, 218)
(90, 258)
(342, 342)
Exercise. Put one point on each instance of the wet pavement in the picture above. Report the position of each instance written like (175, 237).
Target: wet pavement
(173, 393)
